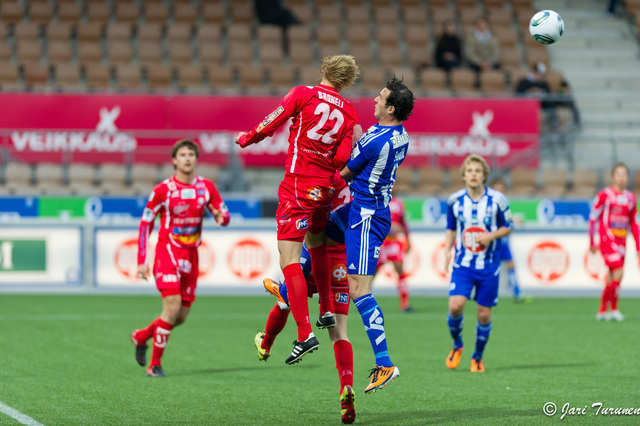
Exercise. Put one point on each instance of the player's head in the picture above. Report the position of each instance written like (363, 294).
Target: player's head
(340, 70)
(399, 97)
(498, 184)
(184, 148)
(620, 175)
(474, 165)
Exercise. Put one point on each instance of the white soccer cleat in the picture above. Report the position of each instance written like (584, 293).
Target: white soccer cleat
(603, 316)
(616, 315)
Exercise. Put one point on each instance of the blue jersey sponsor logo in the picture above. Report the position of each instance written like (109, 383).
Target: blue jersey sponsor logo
(302, 224)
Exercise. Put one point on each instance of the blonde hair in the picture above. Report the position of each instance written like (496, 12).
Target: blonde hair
(478, 159)
(341, 71)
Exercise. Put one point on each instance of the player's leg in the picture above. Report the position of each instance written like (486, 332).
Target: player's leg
(343, 352)
(171, 305)
(321, 267)
(616, 279)
(459, 292)
(403, 287)
(297, 292)
(486, 297)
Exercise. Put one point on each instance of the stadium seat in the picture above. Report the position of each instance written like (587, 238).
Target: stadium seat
(69, 13)
(415, 16)
(113, 178)
(357, 15)
(82, 179)
(300, 54)
(498, 17)
(184, 13)
(469, 16)
(493, 81)
(242, 13)
(156, 13)
(417, 36)
(270, 35)
(26, 31)
(150, 53)
(11, 12)
(40, 12)
(523, 182)
(220, 77)
(214, 13)
(36, 75)
(430, 181)
(144, 177)
(358, 34)
(9, 75)
(209, 34)
(463, 80)
(553, 183)
(271, 55)
(433, 80)
(180, 52)
(120, 52)
(282, 79)
(28, 51)
(119, 31)
(240, 54)
(189, 76)
(97, 76)
(128, 76)
(454, 179)
(251, 77)
(303, 13)
(372, 79)
(98, 12)
(390, 56)
(59, 51)
(50, 179)
(419, 57)
(212, 54)
(405, 180)
(328, 34)
(150, 32)
(584, 183)
(19, 177)
(159, 77)
(67, 75)
(441, 14)
(179, 32)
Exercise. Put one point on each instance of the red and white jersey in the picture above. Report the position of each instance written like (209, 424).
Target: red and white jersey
(320, 136)
(181, 207)
(342, 193)
(398, 223)
(615, 214)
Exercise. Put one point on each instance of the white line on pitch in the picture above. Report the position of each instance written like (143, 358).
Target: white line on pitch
(17, 415)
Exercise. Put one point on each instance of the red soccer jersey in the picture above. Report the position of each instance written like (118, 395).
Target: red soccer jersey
(181, 208)
(615, 213)
(320, 136)
(398, 224)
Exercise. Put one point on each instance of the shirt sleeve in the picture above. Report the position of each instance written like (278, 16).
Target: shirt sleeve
(287, 108)
(359, 157)
(345, 145)
(216, 201)
(503, 216)
(451, 216)
(154, 205)
(594, 215)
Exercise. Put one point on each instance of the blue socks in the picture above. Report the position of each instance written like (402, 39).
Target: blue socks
(455, 328)
(374, 326)
(513, 283)
(482, 337)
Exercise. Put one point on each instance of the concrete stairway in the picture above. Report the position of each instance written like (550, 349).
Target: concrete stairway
(598, 55)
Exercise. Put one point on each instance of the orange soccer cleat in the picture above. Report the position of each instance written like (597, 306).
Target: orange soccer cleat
(453, 359)
(380, 377)
(476, 366)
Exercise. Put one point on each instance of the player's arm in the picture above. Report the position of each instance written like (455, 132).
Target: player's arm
(356, 163)
(345, 146)
(273, 121)
(503, 221)
(154, 204)
(633, 224)
(216, 206)
(450, 233)
(594, 216)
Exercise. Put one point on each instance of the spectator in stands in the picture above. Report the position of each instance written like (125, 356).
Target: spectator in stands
(534, 82)
(482, 48)
(449, 47)
(273, 12)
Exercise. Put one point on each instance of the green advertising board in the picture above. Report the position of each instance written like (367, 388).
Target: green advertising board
(23, 255)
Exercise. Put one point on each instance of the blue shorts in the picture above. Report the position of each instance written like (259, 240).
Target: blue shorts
(338, 222)
(366, 232)
(505, 252)
(463, 280)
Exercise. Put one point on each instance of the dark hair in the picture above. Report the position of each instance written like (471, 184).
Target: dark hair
(400, 97)
(618, 165)
(182, 143)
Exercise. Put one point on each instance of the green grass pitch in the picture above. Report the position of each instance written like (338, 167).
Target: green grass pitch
(67, 360)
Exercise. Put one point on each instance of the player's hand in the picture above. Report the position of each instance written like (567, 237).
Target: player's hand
(593, 249)
(143, 272)
(357, 134)
(221, 218)
(240, 134)
(484, 239)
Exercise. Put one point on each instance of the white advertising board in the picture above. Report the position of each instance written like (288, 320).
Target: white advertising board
(242, 258)
(41, 255)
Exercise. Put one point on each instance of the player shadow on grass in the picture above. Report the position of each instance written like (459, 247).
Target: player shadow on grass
(538, 366)
(448, 416)
(231, 370)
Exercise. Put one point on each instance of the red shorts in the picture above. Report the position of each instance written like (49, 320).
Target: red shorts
(176, 272)
(303, 205)
(339, 283)
(613, 255)
(391, 251)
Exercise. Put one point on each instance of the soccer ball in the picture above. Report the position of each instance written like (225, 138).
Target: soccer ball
(546, 27)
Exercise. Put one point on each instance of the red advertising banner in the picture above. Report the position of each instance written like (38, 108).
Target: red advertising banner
(140, 128)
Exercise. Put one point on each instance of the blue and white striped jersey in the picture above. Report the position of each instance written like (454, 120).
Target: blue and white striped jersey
(469, 219)
(374, 160)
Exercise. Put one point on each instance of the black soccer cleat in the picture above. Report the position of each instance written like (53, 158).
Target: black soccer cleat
(328, 320)
(300, 349)
(141, 350)
(155, 371)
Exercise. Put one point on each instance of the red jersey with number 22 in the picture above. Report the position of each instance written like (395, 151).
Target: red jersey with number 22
(320, 135)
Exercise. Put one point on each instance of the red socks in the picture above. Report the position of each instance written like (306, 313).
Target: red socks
(297, 291)
(160, 338)
(275, 323)
(613, 296)
(146, 333)
(321, 268)
(344, 362)
(403, 292)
